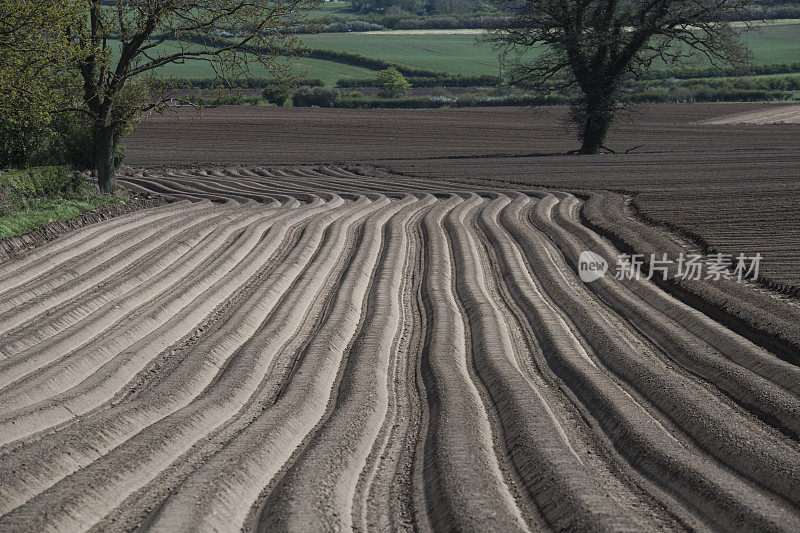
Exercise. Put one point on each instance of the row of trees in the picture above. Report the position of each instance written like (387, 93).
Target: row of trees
(422, 7)
(79, 68)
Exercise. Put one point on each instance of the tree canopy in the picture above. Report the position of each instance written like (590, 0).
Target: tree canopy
(36, 56)
(595, 45)
(131, 40)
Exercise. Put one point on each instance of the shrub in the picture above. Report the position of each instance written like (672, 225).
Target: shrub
(441, 101)
(353, 25)
(276, 93)
(306, 96)
(18, 189)
(352, 95)
(441, 91)
(465, 100)
(392, 83)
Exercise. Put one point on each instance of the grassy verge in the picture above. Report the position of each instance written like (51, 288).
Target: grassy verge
(35, 197)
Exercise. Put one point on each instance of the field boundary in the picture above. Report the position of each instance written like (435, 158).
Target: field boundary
(11, 247)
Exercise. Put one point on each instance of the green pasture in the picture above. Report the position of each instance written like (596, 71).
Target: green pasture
(327, 71)
(453, 53)
(463, 54)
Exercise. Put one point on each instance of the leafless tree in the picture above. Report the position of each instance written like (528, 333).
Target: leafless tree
(596, 45)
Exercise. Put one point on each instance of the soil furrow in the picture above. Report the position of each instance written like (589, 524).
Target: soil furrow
(349, 349)
(720, 494)
(250, 460)
(319, 487)
(464, 487)
(182, 425)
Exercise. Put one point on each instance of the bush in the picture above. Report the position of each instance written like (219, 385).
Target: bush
(392, 83)
(352, 95)
(306, 96)
(21, 142)
(353, 25)
(421, 82)
(19, 189)
(276, 93)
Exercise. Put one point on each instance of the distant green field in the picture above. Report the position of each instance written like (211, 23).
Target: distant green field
(328, 71)
(775, 44)
(456, 53)
(462, 54)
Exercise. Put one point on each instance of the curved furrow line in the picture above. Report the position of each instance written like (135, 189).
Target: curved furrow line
(188, 189)
(69, 305)
(91, 437)
(317, 491)
(253, 457)
(278, 369)
(43, 294)
(379, 184)
(98, 328)
(251, 182)
(464, 486)
(625, 488)
(152, 323)
(715, 492)
(734, 347)
(273, 372)
(150, 451)
(564, 490)
(241, 376)
(35, 345)
(155, 185)
(674, 393)
(310, 180)
(329, 180)
(373, 361)
(291, 185)
(124, 181)
(221, 186)
(53, 255)
(91, 377)
(210, 186)
(401, 184)
(186, 183)
(384, 495)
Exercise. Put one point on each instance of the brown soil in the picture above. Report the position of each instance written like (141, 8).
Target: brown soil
(323, 347)
(373, 362)
(734, 187)
(781, 115)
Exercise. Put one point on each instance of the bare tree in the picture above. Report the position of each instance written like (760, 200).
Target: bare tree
(131, 39)
(596, 45)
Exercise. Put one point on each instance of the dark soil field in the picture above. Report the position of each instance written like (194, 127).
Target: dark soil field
(403, 338)
(734, 187)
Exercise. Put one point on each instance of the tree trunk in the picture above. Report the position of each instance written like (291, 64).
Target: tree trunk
(599, 112)
(104, 158)
(594, 134)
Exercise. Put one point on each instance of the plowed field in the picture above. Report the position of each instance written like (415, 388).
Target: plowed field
(375, 361)
(735, 187)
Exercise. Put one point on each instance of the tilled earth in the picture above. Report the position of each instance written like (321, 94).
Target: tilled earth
(731, 187)
(325, 349)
